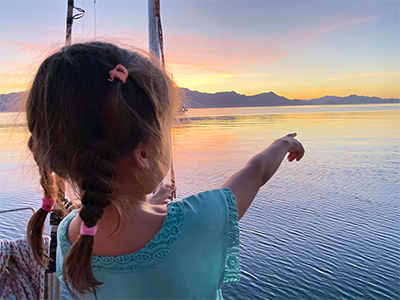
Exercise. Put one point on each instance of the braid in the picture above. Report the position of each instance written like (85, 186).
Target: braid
(36, 222)
(97, 188)
(47, 182)
(61, 188)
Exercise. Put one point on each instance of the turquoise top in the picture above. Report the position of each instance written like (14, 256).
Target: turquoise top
(194, 253)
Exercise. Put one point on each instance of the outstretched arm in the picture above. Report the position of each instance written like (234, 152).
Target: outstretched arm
(245, 183)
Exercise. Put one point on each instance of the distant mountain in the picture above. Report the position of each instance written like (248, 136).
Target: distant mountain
(352, 99)
(232, 99)
(195, 99)
(11, 102)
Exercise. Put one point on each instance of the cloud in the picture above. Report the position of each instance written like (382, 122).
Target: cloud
(316, 33)
(24, 58)
(373, 74)
(364, 75)
(320, 31)
(37, 48)
(199, 60)
(14, 82)
(200, 50)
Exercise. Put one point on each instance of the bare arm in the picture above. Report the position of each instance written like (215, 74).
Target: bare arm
(245, 183)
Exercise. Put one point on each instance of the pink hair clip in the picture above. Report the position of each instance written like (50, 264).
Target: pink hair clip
(119, 72)
(48, 203)
(88, 230)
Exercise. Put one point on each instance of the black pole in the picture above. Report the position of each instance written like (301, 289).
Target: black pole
(69, 22)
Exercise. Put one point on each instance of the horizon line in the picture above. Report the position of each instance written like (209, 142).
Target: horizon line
(250, 95)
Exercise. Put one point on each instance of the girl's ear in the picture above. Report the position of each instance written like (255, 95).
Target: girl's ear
(141, 156)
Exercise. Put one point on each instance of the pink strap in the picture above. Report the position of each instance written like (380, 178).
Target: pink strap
(48, 203)
(119, 72)
(88, 230)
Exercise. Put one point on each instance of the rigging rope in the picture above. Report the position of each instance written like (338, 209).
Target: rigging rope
(94, 20)
(80, 14)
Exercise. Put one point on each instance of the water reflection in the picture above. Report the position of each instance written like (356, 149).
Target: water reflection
(324, 228)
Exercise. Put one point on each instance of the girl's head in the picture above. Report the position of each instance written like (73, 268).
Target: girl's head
(82, 124)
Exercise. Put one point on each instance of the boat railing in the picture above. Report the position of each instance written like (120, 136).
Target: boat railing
(17, 209)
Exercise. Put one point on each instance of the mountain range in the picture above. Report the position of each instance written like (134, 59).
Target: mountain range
(195, 99)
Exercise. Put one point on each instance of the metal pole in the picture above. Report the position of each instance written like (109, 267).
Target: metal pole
(69, 22)
(52, 287)
(17, 209)
(52, 283)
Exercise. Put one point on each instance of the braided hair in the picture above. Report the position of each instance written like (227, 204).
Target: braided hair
(81, 123)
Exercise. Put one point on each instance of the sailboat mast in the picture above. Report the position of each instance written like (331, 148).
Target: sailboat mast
(156, 46)
(154, 43)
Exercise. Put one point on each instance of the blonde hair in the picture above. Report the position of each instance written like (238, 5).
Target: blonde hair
(80, 123)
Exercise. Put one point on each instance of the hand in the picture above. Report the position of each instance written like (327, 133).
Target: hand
(162, 193)
(296, 150)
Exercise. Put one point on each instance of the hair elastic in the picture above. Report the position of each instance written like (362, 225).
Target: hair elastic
(88, 230)
(119, 72)
(48, 203)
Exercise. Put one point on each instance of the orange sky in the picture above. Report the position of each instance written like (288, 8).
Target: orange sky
(311, 50)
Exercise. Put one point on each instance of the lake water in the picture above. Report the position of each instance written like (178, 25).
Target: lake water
(326, 227)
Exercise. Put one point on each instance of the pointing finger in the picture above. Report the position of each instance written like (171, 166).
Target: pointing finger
(294, 134)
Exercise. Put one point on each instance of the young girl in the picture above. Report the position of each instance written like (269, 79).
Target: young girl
(100, 119)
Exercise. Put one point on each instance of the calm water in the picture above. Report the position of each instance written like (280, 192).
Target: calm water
(326, 227)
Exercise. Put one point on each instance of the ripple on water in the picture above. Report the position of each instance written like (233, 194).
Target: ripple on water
(324, 228)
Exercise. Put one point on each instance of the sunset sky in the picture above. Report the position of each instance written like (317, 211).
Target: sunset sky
(297, 49)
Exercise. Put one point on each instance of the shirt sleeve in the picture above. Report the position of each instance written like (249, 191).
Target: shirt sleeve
(232, 259)
(213, 216)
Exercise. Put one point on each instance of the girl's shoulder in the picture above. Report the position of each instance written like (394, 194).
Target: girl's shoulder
(213, 210)
(210, 202)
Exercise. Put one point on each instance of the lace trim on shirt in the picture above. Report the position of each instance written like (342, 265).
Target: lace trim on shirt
(232, 262)
(156, 250)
